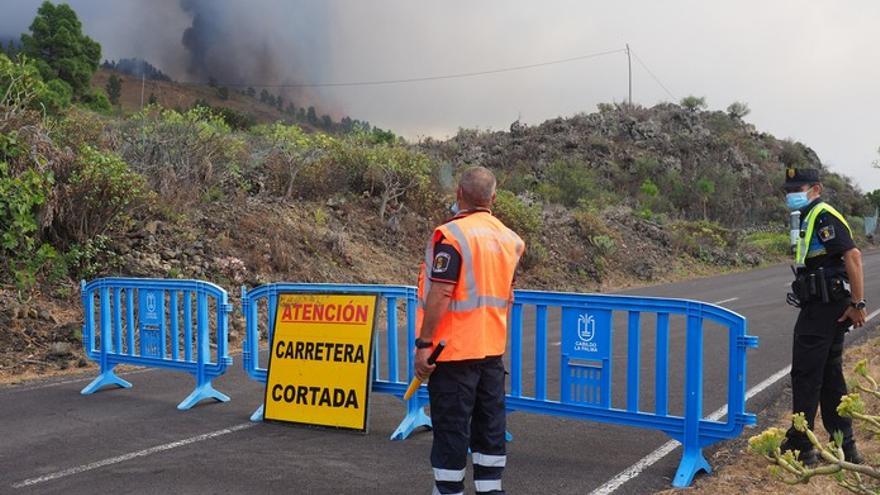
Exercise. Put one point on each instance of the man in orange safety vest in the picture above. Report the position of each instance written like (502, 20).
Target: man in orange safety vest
(465, 292)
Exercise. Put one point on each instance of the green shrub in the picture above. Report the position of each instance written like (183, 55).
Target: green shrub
(97, 101)
(21, 87)
(693, 103)
(605, 245)
(771, 243)
(590, 224)
(568, 182)
(181, 153)
(523, 219)
(21, 196)
(92, 258)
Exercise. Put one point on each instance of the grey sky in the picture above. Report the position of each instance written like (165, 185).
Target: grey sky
(808, 70)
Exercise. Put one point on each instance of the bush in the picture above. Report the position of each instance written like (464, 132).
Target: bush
(567, 182)
(21, 196)
(99, 197)
(738, 110)
(693, 103)
(523, 219)
(182, 153)
(22, 88)
(772, 243)
(397, 171)
(859, 405)
(97, 101)
(286, 151)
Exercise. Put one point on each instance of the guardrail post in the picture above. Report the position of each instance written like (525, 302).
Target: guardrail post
(204, 389)
(107, 376)
(692, 460)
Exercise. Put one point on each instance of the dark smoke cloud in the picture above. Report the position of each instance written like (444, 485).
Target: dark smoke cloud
(221, 47)
(799, 65)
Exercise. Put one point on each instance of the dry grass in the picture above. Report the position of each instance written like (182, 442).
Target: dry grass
(740, 472)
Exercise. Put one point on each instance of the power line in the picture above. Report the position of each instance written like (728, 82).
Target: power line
(417, 79)
(656, 79)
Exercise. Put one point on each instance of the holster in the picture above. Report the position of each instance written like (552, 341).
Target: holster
(817, 286)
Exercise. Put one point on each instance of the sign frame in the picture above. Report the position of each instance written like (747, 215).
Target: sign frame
(369, 365)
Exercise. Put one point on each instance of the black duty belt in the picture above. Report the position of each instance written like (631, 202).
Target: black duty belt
(817, 286)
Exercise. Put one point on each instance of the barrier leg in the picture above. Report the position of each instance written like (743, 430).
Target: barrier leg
(258, 414)
(415, 418)
(107, 377)
(692, 462)
(202, 392)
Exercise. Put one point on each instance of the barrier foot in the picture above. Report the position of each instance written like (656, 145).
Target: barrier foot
(202, 392)
(692, 462)
(413, 420)
(258, 414)
(106, 378)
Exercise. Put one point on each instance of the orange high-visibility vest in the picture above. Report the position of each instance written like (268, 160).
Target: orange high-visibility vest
(475, 325)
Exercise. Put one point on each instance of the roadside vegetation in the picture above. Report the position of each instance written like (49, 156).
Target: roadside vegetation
(89, 187)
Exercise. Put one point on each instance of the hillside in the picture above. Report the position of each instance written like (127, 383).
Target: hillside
(624, 196)
(173, 95)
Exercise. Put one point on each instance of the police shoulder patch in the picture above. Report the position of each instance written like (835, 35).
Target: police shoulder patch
(826, 233)
(441, 263)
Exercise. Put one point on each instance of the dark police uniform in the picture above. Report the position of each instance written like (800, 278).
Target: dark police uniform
(817, 352)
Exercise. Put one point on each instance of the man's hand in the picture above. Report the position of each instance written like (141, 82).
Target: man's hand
(423, 369)
(855, 316)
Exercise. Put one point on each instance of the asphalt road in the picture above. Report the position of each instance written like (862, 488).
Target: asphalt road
(53, 440)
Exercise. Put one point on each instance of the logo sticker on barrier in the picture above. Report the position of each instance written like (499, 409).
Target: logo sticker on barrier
(586, 333)
(151, 311)
(320, 360)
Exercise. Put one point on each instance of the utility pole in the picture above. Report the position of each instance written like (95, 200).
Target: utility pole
(143, 77)
(630, 65)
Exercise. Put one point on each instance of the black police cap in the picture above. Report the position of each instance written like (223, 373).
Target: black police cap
(796, 177)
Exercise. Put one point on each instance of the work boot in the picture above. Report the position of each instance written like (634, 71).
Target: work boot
(851, 454)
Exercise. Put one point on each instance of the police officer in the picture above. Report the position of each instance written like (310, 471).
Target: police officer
(829, 290)
(465, 290)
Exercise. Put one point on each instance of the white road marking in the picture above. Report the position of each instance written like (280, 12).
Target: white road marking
(133, 455)
(718, 303)
(649, 460)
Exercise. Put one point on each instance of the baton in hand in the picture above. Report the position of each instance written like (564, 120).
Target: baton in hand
(416, 383)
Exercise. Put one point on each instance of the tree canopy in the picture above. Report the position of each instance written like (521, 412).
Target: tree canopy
(60, 49)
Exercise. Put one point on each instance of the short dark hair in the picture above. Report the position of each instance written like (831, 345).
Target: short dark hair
(477, 186)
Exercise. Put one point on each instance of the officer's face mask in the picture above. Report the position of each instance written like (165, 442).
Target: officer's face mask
(454, 208)
(797, 200)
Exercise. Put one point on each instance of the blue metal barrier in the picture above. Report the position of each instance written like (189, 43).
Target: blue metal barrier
(139, 323)
(586, 362)
(586, 334)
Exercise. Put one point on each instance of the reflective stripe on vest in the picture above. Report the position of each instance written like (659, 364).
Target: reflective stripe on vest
(473, 300)
(475, 322)
(803, 245)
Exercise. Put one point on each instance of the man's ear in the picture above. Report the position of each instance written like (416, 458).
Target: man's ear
(492, 202)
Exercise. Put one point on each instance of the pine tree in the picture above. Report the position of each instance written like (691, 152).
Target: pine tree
(59, 47)
(114, 89)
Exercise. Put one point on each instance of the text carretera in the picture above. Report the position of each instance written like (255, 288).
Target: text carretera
(320, 351)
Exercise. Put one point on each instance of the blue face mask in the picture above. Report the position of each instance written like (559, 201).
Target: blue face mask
(796, 200)
(454, 208)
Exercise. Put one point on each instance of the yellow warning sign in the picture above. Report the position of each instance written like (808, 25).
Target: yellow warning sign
(320, 360)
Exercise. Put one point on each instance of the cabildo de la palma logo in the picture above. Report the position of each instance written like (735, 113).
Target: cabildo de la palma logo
(151, 306)
(586, 332)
